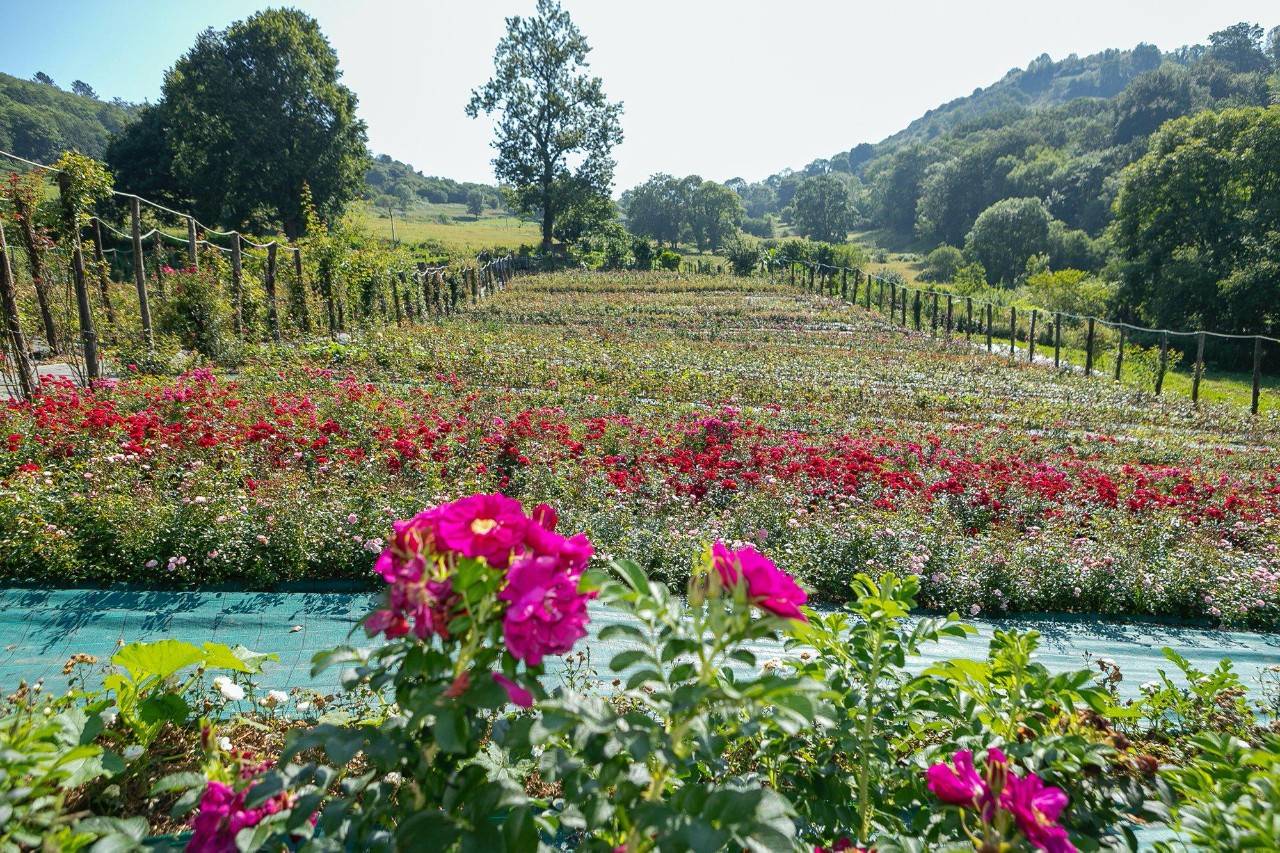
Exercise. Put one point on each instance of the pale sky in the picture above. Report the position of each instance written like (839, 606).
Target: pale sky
(720, 89)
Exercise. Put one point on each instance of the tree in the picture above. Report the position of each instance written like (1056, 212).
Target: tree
(1006, 234)
(41, 77)
(1239, 47)
(715, 212)
(655, 208)
(83, 89)
(821, 209)
(1197, 227)
(1273, 48)
(587, 214)
(249, 115)
(552, 116)
(475, 203)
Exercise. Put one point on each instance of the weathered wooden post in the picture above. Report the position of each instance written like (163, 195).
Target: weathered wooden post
(104, 272)
(1120, 354)
(193, 257)
(989, 321)
(1164, 362)
(1257, 374)
(35, 260)
(273, 316)
(844, 284)
(933, 315)
(88, 337)
(28, 381)
(237, 285)
(949, 320)
(1013, 329)
(968, 318)
(1057, 339)
(1088, 350)
(140, 270)
(304, 311)
(1031, 338)
(880, 297)
(1198, 370)
(157, 246)
(867, 296)
(915, 309)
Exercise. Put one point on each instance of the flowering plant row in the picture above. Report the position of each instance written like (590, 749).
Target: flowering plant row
(455, 738)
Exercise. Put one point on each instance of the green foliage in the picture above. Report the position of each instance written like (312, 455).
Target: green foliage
(668, 260)
(38, 121)
(743, 254)
(232, 137)
(87, 182)
(196, 311)
(821, 209)
(550, 111)
(1227, 797)
(1196, 227)
(1070, 291)
(1006, 234)
(942, 264)
(391, 182)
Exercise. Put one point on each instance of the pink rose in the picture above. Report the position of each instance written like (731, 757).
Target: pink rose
(487, 526)
(517, 694)
(768, 587)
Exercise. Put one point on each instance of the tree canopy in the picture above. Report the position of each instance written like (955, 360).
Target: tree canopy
(821, 209)
(247, 117)
(1197, 226)
(556, 129)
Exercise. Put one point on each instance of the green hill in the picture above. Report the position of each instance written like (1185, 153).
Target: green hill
(39, 120)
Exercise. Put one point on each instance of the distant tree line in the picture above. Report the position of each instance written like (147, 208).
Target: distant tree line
(389, 182)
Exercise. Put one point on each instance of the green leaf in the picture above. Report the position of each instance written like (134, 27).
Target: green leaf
(164, 708)
(177, 782)
(450, 731)
(628, 658)
(161, 659)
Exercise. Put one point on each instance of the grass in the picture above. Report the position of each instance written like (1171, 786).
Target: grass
(451, 226)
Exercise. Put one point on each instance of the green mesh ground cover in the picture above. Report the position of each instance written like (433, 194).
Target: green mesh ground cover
(40, 629)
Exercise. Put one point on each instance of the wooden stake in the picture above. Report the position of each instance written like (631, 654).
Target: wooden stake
(88, 337)
(237, 286)
(1198, 371)
(1088, 350)
(193, 257)
(273, 317)
(1257, 374)
(1031, 338)
(140, 271)
(28, 380)
(1164, 362)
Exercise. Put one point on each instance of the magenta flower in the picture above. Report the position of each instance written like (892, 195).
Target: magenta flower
(768, 587)
(517, 694)
(959, 787)
(222, 814)
(412, 542)
(1036, 808)
(546, 613)
(487, 526)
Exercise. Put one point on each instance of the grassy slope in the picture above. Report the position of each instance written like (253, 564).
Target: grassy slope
(459, 231)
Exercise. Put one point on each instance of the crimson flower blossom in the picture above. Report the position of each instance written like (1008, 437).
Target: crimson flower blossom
(517, 694)
(1036, 807)
(222, 814)
(768, 587)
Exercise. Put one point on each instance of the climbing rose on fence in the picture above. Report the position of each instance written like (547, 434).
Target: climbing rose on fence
(767, 586)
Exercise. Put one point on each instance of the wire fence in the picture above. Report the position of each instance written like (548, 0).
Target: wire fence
(1149, 358)
(76, 281)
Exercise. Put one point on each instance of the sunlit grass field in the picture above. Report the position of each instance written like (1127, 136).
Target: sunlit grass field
(451, 226)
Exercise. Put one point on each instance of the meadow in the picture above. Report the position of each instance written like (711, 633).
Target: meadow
(449, 225)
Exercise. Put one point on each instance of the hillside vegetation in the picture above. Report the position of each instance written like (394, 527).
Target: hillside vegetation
(39, 120)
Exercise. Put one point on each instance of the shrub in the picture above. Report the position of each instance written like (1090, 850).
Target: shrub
(668, 260)
(942, 264)
(196, 312)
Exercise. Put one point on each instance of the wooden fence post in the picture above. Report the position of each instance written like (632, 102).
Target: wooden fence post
(866, 297)
(1057, 339)
(1257, 374)
(1164, 362)
(88, 337)
(903, 300)
(158, 247)
(989, 322)
(880, 296)
(968, 318)
(949, 317)
(237, 285)
(193, 257)
(1120, 354)
(304, 312)
(273, 316)
(1031, 338)
(1198, 370)
(1088, 350)
(104, 271)
(844, 284)
(26, 228)
(28, 380)
(933, 315)
(1013, 329)
(140, 270)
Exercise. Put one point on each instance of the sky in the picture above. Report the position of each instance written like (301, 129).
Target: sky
(730, 88)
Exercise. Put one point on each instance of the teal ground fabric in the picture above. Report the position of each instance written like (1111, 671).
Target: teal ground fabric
(40, 629)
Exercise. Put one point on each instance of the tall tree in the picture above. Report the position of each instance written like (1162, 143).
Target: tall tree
(654, 209)
(83, 89)
(821, 209)
(1006, 234)
(552, 115)
(715, 213)
(247, 117)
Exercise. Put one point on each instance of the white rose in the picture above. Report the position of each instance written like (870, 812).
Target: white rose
(224, 744)
(133, 752)
(229, 689)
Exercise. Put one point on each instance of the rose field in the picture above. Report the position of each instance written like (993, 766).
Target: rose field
(636, 562)
(659, 413)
